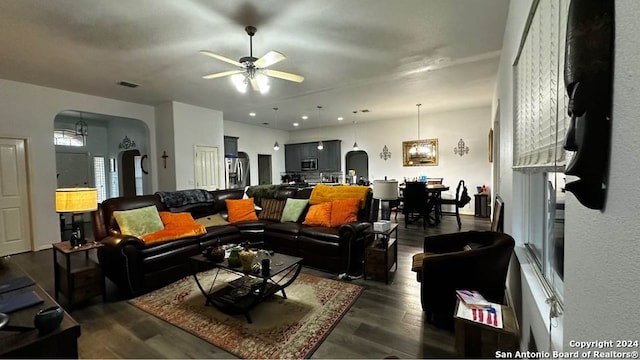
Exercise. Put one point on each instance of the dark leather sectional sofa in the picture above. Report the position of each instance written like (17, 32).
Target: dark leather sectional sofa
(137, 268)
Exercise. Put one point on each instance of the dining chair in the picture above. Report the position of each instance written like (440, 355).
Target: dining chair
(415, 203)
(398, 205)
(454, 203)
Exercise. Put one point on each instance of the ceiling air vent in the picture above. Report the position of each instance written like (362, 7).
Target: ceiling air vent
(127, 84)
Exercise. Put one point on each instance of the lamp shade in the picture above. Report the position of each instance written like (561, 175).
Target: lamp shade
(385, 190)
(76, 200)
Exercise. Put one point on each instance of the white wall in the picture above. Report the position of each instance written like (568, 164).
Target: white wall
(28, 111)
(601, 247)
(601, 272)
(165, 143)
(255, 140)
(472, 125)
(194, 125)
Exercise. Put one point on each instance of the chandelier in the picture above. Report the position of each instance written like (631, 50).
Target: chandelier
(420, 147)
(276, 146)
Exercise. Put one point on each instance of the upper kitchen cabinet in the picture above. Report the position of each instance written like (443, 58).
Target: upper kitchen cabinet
(329, 158)
(230, 146)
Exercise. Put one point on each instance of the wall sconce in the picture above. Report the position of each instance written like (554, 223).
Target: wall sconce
(461, 149)
(385, 154)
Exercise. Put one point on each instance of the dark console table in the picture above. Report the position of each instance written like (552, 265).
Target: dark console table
(29, 343)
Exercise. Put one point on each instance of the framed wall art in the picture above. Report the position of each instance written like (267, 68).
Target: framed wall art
(420, 152)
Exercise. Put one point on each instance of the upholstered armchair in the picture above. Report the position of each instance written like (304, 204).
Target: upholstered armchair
(446, 266)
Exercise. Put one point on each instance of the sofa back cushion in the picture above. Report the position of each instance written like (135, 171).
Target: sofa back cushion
(138, 222)
(108, 206)
(241, 210)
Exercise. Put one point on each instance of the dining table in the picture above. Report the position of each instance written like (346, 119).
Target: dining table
(434, 194)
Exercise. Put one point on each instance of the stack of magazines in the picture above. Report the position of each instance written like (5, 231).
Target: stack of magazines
(474, 307)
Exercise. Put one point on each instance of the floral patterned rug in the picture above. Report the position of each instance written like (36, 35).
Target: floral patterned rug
(289, 328)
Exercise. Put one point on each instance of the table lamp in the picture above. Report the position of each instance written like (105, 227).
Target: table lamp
(76, 201)
(385, 191)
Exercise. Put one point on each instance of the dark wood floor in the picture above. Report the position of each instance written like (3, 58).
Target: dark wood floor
(386, 319)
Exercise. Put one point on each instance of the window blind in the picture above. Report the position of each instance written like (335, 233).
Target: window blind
(540, 98)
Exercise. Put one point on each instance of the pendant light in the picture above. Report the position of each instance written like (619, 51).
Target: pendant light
(320, 144)
(276, 146)
(355, 143)
(417, 147)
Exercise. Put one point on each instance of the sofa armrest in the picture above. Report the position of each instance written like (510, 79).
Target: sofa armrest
(120, 241)
(447, 243)
(354, 230)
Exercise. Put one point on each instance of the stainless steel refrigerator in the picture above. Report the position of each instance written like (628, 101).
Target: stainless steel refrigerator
(236, 172)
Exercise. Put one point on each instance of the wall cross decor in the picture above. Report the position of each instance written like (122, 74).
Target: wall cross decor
(127, 143)
(385, 154)
(164, 158)
(461, 149)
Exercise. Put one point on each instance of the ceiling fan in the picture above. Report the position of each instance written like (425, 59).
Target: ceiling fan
(252, 70)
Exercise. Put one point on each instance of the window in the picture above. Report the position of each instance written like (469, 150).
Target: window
(101, 180)
(67, 138)
(545, 225)
(113, 178)
(539, 129)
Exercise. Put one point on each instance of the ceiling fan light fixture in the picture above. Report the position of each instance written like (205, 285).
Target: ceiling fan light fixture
(240, 82)
(263, 83)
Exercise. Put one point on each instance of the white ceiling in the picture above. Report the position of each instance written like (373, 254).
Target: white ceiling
(380, 55)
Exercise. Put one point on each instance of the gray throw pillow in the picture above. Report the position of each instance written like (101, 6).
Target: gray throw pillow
(293, 208)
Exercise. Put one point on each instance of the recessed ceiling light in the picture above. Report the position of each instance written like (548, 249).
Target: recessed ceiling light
(252, 114)
(304, 117)
(340, 118)
(296, 124)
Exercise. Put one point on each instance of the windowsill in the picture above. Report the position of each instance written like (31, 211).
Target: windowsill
(532, 281)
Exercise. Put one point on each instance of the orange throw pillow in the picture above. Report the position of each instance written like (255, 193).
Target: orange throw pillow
(319, 215)
(344, 211)
(241, 210)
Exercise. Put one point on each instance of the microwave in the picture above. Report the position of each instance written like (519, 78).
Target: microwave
(309, 164)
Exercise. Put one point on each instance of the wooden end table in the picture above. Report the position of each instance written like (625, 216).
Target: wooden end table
(79, 278)
(382, 254)
(476, 340)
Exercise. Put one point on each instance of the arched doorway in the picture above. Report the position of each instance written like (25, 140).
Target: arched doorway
(357, 163)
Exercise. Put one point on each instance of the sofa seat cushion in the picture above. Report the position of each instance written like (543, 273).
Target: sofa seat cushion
(251, 225)
(219, 231)
(321, 233)
(284, 228)
(173, 253)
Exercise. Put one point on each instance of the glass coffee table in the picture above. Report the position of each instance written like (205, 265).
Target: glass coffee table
(241, 295)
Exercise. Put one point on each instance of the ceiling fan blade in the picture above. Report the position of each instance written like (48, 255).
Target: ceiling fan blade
(221, 74)
(220, 57)
(255, 85)
(283, 75)
(269, 58)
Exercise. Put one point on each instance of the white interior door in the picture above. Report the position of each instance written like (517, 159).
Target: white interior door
(207, 168)
(15, 236)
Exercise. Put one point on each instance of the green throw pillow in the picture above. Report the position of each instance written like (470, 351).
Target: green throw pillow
(293, 208)
(138, 222)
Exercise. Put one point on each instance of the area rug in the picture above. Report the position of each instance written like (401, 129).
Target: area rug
(289, 328)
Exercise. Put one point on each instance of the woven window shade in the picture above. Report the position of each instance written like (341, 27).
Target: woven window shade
(540, 98)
